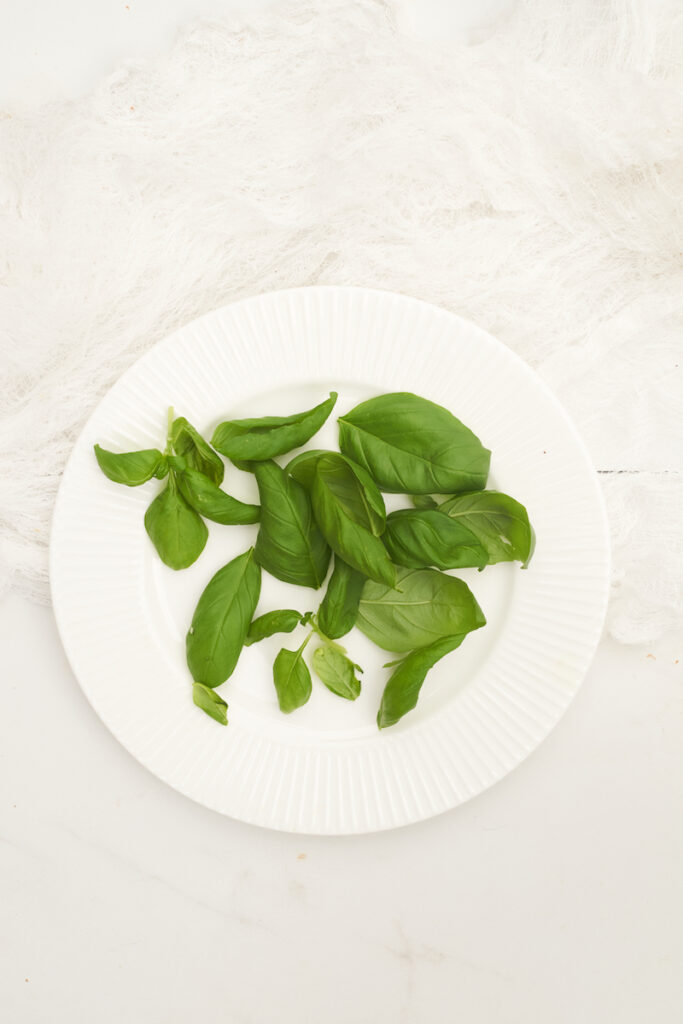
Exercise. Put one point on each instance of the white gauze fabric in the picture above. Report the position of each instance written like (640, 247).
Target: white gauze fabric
(531, 182)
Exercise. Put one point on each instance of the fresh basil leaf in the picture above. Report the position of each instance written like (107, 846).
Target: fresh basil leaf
(189, 443)
(429, 606)
(129, 468)
(339, 607)
(282, 621)
(420, 537)
(209, 701)
(289, 545)
(269, 436)
(412, 446)
(423, 501)
(292, 679)
(348, 519)
(500, 524)
(302, 466)
(162, 469)
(211, 502)
(176, 530)
(404, 685)
(337, 672)
(221, 620)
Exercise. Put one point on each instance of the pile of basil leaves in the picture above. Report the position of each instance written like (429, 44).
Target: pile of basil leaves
(326, 508)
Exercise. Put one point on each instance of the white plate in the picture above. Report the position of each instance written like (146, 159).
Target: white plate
(326, 768)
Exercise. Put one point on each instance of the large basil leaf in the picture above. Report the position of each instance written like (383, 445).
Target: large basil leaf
(292, 679)
(499, 522)
(129, 468)
(412, 446)
(348, 518)
(209, 701)
(190, 445)
(176, 530)
(221, 620)
(210, 501)
(339, 607)
(420, 537)
(281, 621)
(429, 606)
(269, 436)
(289, 545)
(337, 672)
(403, 688)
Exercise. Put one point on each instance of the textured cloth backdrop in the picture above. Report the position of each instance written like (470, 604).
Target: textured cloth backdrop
(532, 182)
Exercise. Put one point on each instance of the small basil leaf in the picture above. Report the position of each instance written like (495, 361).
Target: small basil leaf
(292, 679)
(420, 537)
(221, 620)
(337, 672)
(269, 436)
(289, 545)
(423, 501)
(430, 605)
(404, 685)
(282, 621)
(500, 524)
(348, 520)
(129, 468)
(189, 443)
(209, 701)
(339, 608)
(210, 501)
(412, 446)
(175, 529)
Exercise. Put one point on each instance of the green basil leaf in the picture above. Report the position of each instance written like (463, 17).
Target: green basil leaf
(129, 468)
(339, 607)
(289, 545)
(303, 467)
(281, 621)
(420, 537)
(209, 701)
(175, 529)
(189, 443)
(162, 469)
(292, 679)
(221, 620)
(412, 446)
(430, 605)
(500, 524)
(211, 502)
(348, 519)
(404, 685)
(337, 672)
(269, 436)
(423, 501)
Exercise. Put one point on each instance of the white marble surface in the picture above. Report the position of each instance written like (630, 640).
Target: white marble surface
(554, 897)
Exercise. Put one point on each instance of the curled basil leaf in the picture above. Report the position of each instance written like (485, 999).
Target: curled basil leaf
(339, 607)
(289, 545)
(129, 468)
(190, 445)
(269, 436)
(209, 701)
(419, 537)
(500, 524)
(337, 672)
(302, 467)
(292, 679)
(347, 515)
(423, 501)
(178, 533)
(281, 621)
(211, 502)
(429, 606)
(404, 685)
(412, 446)
(221, 620)
(162, 469)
